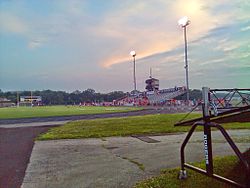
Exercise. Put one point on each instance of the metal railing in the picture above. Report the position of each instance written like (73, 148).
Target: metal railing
(206, 122)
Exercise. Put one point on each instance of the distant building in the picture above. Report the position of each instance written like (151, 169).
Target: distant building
(5, 102)
(30, 100)
(152, 84)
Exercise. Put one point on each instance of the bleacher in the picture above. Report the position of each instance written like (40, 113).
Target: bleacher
(161, 96)
(158, 97)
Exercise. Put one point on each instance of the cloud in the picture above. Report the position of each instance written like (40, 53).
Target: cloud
(245, 28)
(213, 61)
(158, 30)
(227, 46)
(149, 28)
(85, 38)
(34, 44)
(40, 29)
(13, 24)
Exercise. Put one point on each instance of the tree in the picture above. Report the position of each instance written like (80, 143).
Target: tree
(193, 94)
(50, 97)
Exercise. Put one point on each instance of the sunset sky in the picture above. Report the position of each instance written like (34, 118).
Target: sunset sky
(69, 45)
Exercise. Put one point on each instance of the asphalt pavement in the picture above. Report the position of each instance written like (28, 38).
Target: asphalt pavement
(115, 161)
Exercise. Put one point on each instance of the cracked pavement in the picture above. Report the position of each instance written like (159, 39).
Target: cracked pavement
(115, 161)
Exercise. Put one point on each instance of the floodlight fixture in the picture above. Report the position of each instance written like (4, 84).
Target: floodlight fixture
(183, 22)
(132, 53)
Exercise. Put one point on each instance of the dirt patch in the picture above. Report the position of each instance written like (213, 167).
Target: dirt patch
(15, 149)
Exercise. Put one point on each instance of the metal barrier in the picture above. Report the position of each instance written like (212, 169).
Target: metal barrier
(206, 122)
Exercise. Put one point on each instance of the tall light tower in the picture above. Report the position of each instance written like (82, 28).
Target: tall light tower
(133, 54)
(184, 22)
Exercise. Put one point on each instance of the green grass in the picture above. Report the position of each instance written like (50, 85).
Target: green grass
(140, 165)
(47, 111)
(148, 124)
(168, 178)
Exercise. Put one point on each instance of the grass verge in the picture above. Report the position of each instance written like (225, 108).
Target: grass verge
(136, 125)
(168, 178)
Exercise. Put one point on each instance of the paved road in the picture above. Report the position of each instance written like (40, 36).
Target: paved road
(33, 124)
(15, 148)
(115, 161)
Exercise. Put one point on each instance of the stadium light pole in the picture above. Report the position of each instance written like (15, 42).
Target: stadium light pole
(133, 54)
(184, 22)
(17, 99)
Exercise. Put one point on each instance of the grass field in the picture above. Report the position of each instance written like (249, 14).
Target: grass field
(148, 124)
(168, 178)
(46, 111)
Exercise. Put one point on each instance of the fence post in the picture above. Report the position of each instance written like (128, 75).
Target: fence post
(207, 132)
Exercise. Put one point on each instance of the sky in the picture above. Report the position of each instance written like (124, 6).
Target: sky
(80, 44)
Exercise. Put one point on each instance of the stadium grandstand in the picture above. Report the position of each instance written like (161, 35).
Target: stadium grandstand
(152, 96)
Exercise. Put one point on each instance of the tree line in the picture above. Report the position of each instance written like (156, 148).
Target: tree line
(50, 97)
(193, 94)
